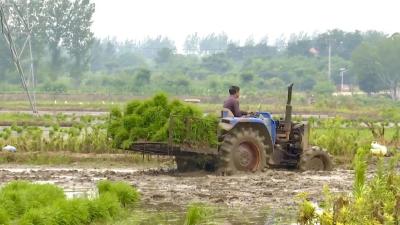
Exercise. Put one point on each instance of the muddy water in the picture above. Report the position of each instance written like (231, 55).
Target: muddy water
(261, 194)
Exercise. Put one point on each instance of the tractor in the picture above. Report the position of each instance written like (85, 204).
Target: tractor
(257, 141)
(249, 144)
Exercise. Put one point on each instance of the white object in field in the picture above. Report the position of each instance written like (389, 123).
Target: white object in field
(9, 148)
(377, 149)
(112, 103)
(103, 102)
(80, 103)
(55, 102)
(318, 209)
(65, 102)
(192, 100)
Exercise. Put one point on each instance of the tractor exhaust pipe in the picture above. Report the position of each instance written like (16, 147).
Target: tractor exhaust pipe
(288, 113)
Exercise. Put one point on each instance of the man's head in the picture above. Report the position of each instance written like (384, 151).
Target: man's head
(234, 91)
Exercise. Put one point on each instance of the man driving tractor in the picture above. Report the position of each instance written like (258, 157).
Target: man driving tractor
(232, 103)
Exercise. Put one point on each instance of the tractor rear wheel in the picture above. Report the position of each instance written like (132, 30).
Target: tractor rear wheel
(242, 149)
(315, 159)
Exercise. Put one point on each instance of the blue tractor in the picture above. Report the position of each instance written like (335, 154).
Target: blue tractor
(248, 144)
(257, 141)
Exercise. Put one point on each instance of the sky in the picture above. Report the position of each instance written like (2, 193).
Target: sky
(240, 19)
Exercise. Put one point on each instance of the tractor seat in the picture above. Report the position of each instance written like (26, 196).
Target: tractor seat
(226, 113)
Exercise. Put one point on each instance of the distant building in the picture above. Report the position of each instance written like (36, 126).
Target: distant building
(313, 51)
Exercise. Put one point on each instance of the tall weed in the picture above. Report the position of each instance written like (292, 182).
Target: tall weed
(376, 201)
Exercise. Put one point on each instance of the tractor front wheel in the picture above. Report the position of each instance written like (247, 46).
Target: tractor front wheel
(242, 149)
(315, 159)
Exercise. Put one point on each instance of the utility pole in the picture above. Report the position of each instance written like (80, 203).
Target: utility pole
(342, 70)
(329, 59)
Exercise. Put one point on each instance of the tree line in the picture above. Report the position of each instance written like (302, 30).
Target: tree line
(68, 57)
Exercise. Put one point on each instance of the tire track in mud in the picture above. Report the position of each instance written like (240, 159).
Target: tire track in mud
(165, 188)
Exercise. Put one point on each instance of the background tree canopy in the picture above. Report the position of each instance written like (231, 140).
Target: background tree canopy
(68, 58)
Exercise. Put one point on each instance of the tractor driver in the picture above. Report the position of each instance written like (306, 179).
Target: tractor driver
(232, 103)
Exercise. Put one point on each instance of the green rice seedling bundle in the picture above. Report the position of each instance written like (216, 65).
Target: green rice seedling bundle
(26, 203)
(152, 120)
(126, 195)
(197, 213)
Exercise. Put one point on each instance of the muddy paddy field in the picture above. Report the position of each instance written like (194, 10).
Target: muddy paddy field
(70, 151)
(262, 198)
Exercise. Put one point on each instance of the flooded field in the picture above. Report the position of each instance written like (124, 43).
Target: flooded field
(254, 198)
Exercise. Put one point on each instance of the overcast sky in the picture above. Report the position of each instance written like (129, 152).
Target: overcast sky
(137, 19)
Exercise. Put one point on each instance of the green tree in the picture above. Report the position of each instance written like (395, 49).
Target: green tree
(102, 53)
(164, 55)
(79, 37)
(380, 59)
(364, 67)
(150, 47)
(299, 45)
(142, 77)
(191, 45)
(55, 25)
(217, 63)
(247, 77)
(387, 61)
(5, 59)
(342, 43)
(307, 84)
(213, 43)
